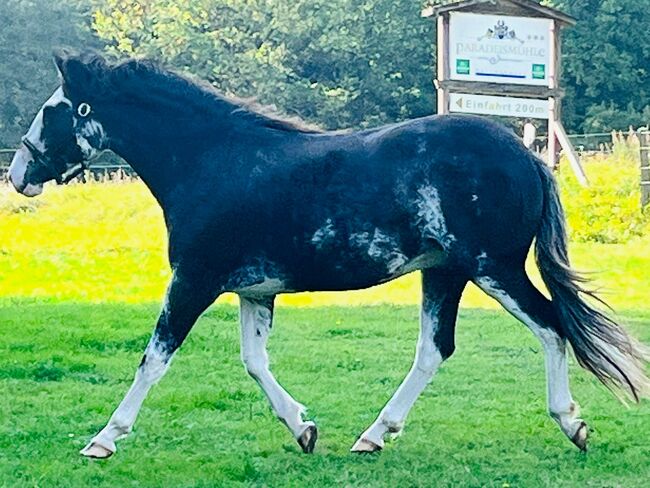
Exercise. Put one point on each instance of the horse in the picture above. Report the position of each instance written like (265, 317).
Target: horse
(258, 205)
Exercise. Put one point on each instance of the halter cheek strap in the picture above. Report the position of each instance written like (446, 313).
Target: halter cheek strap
(42, 160)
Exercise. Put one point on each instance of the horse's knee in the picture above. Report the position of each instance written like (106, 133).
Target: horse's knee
(428, 360)
(153, 367)
(254, 365)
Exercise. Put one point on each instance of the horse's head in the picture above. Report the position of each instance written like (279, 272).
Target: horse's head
(62, 136)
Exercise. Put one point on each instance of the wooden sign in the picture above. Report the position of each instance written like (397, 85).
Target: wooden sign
(494, 105)
(502, 57)
(499, 48)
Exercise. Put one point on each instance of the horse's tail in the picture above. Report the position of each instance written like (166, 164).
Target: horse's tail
(600, 344)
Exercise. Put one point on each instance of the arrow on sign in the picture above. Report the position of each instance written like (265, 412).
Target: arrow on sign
(459, 102)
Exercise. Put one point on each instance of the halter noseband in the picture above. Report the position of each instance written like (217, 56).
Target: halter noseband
(45, 162)
(42, 160)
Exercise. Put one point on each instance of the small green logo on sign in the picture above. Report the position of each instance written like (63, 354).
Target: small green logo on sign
(462, 66)
(539, 71)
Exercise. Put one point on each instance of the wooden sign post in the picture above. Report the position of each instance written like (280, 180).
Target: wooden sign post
(502, 57)
(644, 148)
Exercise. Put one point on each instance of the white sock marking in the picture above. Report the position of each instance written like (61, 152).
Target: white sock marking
(120, 424)
(255, 328)
(560, 402)
(426, 363)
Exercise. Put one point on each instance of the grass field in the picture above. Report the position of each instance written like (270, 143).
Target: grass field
(81, 272)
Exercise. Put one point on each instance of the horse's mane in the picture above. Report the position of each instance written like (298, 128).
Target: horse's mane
(150, 79)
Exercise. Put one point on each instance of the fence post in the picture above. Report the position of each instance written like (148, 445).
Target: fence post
(644, 148)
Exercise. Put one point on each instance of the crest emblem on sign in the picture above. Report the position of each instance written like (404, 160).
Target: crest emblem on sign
(501, 31)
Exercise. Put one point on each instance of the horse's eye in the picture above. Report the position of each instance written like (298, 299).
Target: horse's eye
(84, 109)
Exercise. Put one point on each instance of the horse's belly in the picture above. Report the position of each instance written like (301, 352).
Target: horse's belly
(360, 273)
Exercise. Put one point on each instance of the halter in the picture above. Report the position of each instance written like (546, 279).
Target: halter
(42, 160)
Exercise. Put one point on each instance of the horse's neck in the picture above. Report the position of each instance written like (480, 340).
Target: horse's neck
(162, 157)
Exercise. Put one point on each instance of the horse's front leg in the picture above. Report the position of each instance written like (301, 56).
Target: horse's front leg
(186, 299)
(256, 316)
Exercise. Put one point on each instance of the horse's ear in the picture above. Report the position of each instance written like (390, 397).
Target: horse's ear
(60, 56)
(73, 70)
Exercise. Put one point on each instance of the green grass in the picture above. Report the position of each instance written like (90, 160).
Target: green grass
(482, 422)
(82, 270)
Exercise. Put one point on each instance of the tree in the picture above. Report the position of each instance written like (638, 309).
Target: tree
(30, 31)
(606, 60)
(339, 63)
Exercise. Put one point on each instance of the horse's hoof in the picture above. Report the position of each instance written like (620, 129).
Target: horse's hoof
(364, 445)
(95, 451)
(580, 437)
(307, 439)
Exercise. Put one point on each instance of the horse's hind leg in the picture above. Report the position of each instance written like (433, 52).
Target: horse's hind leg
(509, 285)
(441, 293)
(256, 316)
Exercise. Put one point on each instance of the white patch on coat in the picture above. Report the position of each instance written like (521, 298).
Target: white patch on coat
(17, 172)
(430, 216)
(36, 128)
(474, 198)
(385, 248)
(379, 244)
(86, 149)
(90, 129)
(381, 248)
(323, 234)
(23, 157)
(359, 239)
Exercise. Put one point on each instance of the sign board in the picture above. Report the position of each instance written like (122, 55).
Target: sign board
(495, 105)
(499, 48)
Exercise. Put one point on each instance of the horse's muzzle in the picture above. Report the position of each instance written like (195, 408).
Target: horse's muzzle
(17, 172)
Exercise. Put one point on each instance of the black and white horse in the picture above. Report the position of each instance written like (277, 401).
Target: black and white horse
(260, 206)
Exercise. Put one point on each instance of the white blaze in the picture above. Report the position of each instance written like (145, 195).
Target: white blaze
(23, 157)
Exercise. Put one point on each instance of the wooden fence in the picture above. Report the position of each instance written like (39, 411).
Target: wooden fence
(644, 158)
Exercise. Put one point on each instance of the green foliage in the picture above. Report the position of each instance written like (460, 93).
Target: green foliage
(340, 63)
(608, 211)
(606, 64)
(603, 116)
(30, 30)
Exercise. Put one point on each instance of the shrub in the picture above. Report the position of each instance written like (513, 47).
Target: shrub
(609, 210)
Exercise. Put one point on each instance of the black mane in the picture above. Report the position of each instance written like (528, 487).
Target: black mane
(90, 74)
